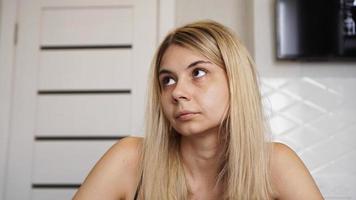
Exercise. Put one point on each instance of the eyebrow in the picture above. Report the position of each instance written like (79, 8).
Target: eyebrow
(162, 71)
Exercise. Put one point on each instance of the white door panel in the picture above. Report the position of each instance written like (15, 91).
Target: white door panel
(83, 115)
(66, 162)
(85, 3)
(87, 26)
(91, 69)
(53, 194)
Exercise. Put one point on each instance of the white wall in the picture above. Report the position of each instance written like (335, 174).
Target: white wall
(236, 14)
(312, 105)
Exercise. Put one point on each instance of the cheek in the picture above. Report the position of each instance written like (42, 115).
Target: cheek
(216, 99)
(166, 108)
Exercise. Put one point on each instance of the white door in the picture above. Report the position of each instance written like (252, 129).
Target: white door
(79, 85)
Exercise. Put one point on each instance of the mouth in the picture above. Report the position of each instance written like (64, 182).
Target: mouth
(185, 115)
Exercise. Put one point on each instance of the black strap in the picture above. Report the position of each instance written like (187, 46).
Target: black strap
(138, 188)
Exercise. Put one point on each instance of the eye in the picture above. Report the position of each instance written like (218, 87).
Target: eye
(166, 81)
(198, 73)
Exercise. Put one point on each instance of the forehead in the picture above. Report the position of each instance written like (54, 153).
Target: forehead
(176, 56)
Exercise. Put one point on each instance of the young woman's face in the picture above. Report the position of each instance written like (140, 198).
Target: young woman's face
(194, 91)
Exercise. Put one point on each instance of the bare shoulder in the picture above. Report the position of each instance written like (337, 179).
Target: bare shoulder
(115, 175)
(291, 178)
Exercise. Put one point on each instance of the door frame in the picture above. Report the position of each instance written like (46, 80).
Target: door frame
(8, 18)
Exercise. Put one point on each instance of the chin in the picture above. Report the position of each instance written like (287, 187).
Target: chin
(188, 131)
(192, 131)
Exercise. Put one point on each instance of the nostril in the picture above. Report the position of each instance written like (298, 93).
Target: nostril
(182, 97)
(179, 96)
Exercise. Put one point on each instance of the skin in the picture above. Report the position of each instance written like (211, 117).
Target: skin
(190, 82)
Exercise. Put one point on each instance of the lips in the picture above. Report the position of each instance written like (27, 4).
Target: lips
(185, 114)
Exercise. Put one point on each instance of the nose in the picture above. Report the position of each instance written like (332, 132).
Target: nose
(181, 92)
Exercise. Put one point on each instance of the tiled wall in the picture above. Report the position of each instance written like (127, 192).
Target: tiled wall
(312, 108)
(316, 117)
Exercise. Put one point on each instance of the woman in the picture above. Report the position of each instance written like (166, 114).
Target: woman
(205, 131)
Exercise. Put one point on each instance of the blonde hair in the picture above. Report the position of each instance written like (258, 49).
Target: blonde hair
(245, 169)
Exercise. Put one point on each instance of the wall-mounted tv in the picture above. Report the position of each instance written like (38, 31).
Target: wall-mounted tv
(316, 29)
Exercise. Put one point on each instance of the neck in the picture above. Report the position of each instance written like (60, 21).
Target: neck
(201, 158)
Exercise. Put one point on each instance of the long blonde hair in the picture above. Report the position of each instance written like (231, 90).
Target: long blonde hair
(245, 171)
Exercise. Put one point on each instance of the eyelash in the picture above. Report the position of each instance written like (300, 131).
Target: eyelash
(163, 80)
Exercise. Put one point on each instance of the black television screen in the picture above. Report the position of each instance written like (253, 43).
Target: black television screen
(316, 29)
